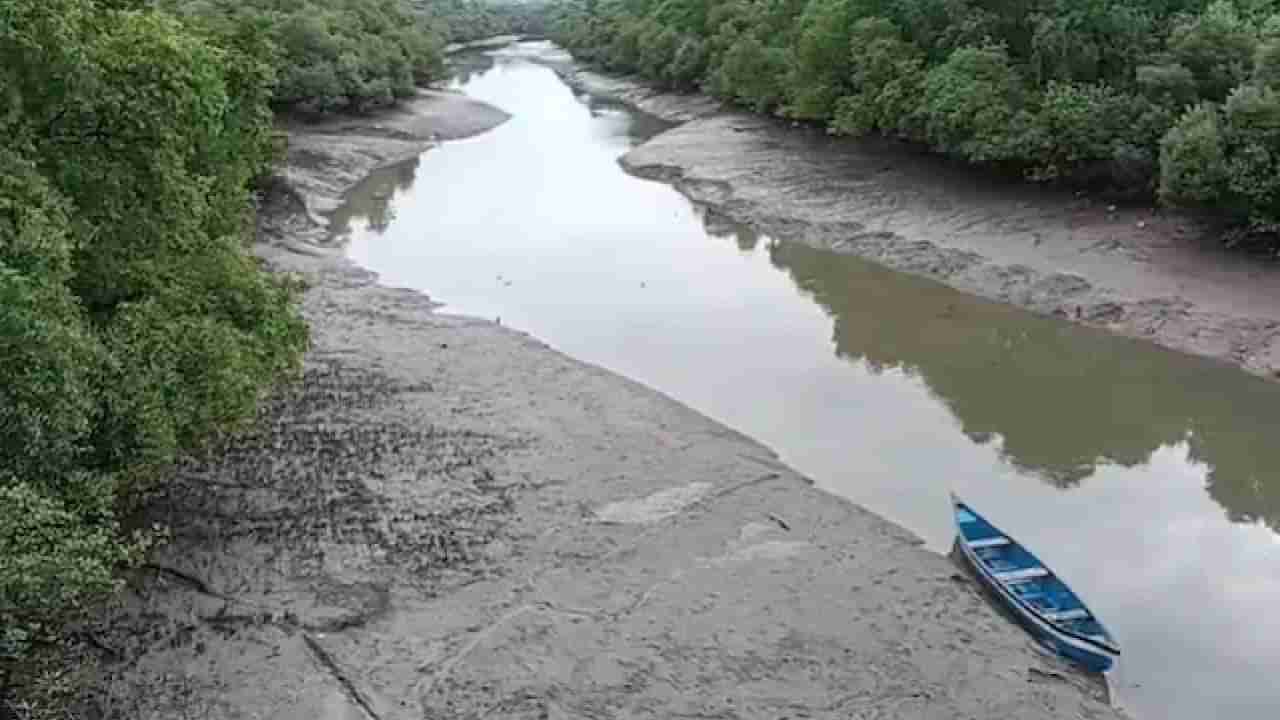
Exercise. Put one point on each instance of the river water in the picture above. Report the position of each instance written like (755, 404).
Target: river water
(1148, 479)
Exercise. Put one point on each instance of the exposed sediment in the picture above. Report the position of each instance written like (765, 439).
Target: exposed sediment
(325, 158)
(447, 519)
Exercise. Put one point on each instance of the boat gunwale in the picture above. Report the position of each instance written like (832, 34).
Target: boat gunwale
(1022, 604)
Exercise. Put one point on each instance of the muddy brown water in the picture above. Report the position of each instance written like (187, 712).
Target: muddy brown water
(1148, 479)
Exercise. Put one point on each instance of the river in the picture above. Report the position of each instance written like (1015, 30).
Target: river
(1148, 479)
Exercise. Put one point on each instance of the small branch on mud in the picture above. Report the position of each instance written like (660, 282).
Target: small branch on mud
(1034, 674)
(771, 463)
(326, 661)
(779, 522)
(548, 606)
(91, 639)
(425, 685)
(187, 579)
(648, 594)
(202, 587)
(722, 492)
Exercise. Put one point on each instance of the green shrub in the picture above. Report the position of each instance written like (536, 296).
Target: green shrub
(1193, 168)
(887, 77)
(1096, 41)
(820, 63)
(623, 52)
(1227, 157)
(658, 46)
(685, 17)
(54, 563)
(689, 64)
(970, 102)
(752, 74)
(1252, 126)
(336, 55)
(50, 364)
(1266, 62)
(1171, 84)
(1217, 46)
(467, 20)
(134, 324)
(1076, 129)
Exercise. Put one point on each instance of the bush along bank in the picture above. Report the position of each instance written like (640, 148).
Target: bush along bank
(134, 323)
(1175, 98)
(464, 21)
(356, 55)
(334, 55)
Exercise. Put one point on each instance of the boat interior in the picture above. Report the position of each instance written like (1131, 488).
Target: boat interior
(1026, 577)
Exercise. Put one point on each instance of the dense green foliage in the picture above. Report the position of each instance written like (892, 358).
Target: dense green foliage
(467, 20)
(332, 55)
(1175, 97)
(462, 21)
(354, 55)
(133, 322)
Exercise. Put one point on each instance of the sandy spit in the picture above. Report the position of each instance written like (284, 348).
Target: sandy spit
(447, 519)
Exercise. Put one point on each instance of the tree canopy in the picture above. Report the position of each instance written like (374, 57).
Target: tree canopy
(355, 55)
(466, 20)
(135, 323)
(333, 55)
(1175, 98)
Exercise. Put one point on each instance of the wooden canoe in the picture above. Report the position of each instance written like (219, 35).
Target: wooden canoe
(1038, 598)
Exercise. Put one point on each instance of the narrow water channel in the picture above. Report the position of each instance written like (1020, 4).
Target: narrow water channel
(1149, 480)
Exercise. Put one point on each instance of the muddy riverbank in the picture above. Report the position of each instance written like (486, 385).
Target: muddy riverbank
(1141, 272)
(326, 158)
(445, 518)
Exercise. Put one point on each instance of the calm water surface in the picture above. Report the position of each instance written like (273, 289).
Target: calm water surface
(1150, 480)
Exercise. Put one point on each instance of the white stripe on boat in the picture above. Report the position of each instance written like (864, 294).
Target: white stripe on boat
(1073, 614)
(989, 542)
(1022, 575)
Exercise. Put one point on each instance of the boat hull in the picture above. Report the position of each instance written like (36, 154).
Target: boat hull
(1081, 652)
(1037, 598)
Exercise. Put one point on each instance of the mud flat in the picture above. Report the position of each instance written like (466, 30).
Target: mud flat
(672, 107)
(325, 158)
(1137, 271)
(447, 519)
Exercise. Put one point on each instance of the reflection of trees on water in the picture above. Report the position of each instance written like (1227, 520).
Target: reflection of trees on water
(1063, 399)
(464, 66)
(406, 172)
(639, 127)
(718, 225)
(373, 199)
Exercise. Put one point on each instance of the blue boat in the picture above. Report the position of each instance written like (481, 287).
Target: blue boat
(1039, 600)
